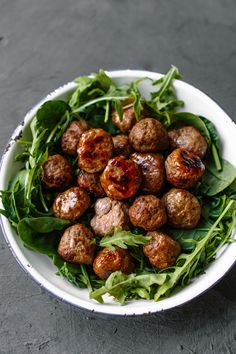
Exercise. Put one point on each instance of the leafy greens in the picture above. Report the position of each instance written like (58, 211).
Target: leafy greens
(29, 207)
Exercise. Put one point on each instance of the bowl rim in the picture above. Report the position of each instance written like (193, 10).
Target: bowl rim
(53, 289)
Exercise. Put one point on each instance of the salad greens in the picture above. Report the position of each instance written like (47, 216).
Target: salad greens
(28, 206)
(122, 238)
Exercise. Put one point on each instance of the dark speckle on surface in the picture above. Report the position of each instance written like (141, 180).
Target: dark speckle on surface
(44, 44)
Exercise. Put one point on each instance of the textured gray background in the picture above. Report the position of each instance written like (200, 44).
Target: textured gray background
(44, 44)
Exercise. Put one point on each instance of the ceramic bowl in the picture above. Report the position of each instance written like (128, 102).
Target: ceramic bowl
(40, 268)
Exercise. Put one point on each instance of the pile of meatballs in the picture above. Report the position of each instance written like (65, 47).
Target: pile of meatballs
(139, 178)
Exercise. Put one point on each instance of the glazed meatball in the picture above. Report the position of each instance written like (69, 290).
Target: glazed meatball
(147, 212)
(188, 138)
(56, 173)
(91, 183)
(162, 251)
(95, 148)
(76, 245)
(183, 168)
(109, 214)
(121, 178)
(108, 261)
(128, 120)
(122, 145)
(71, 204)
(182, 208)
(148, 135)
(153, 170)
(71, 136)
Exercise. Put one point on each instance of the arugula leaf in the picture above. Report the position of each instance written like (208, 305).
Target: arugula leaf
(214, 181)
(77, 274)
(119, 285)
(122, 238)
(187, 263)
(72, 272)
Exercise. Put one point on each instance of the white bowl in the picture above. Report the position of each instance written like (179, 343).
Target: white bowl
(40, 268)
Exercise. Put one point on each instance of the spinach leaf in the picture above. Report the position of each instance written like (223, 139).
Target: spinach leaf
(215, 138)
(215, 143)
(186, 118)
(122, 238)
(214, 181)
(41, 234)
(188, 238)
(50, 113)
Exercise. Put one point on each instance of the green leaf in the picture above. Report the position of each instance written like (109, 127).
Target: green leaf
(215, 138)
(214, 181)
(186, 118)
(119, 285)
(188, 238)
(50, 113)
(215, 143)
(165, 82)
(187, 264)
(41, 234)
(123, 239)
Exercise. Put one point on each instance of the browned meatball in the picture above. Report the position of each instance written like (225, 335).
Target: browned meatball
(56, 173)
(90, 182)
(108, 261)
(95, 148)
(121, 178)
(182, 208)
(162, 251)
(71, 136)
(153, 170)
(76, 245)
(147, 212)
(122, 145)
(128, 119)
(188, 138)
(183, 168)
(148, 135)
(109, 214)
(71, 204)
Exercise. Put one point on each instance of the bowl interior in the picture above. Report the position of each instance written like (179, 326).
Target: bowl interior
(40, 266)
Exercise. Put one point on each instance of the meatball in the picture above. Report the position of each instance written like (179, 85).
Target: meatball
(183, 168)
(71, 204)
(95, 148)
(56, 173)
(108, 261)
(188, 138)
(71, 136)
(109, 214)
(162, 251)
(122, 145)
(128, 119)
(182, 208)
(153, 170)
(147, 212)
(121, 178)
(148, 135)
(90, 182)
(76, 245)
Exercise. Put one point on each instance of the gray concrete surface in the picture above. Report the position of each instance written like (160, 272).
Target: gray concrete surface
(44, 44)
